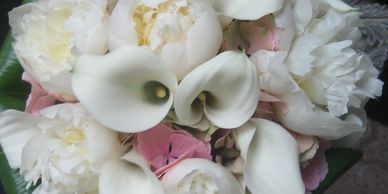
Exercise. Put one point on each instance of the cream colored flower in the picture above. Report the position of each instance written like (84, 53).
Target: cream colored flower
(185, 33)
(50, 35)
(64, 148)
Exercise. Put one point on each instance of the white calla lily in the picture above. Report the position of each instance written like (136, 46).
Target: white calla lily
(200, 176)
(225, 90)
(131, 83)
(16, 128)
(130, 174)
(271, 158)
(247, 9)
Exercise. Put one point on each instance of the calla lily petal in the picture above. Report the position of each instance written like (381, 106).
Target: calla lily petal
(202, 175)
(131, 83)
(224, 89)
(247, 9)
(271, 158)
(128, 175)
(16, 128)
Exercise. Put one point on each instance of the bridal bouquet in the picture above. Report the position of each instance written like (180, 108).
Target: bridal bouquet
(185, 96)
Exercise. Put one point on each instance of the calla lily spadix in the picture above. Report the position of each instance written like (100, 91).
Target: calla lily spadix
(271, 158)
(130, 174)
(130, 89)
(247, 9)
(200, 176)
(225, 90)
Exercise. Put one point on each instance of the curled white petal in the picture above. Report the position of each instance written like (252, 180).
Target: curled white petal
(200, 176)
(128, 175)
(130, 89)
(271, 158)
(225, 90)
(247, 9)
(16, 128)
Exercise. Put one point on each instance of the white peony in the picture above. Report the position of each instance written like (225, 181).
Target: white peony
(50, 35)
(185, 33)
(64, 148)
(330, 72)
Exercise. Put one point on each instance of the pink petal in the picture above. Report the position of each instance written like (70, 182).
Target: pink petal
(317, 168)
(305, 142)
(38, 98)
(260, 34)
(163, 147)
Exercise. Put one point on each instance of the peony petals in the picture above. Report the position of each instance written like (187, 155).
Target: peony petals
(197, 175)
(304, 117)
(120, 28)
(128, 175)
(247, 9)
(224, 89)
(131, 83)
(206, 29)
(16, 128)
(271, 158)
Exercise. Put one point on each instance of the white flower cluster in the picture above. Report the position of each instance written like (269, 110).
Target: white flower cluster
(123, 67)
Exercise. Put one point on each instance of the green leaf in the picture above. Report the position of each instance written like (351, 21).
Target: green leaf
(10, 72)
(339, 160)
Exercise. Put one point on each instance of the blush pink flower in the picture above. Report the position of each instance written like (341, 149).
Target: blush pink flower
(163, 147)
(260, 34)
(38, 98)
(317, 168)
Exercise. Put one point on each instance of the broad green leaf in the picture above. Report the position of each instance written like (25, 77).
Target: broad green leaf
(10, 72)
(339, 160)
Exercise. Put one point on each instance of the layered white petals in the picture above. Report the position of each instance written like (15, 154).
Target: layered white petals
(225, 90)
(302, 115)
(16, 128)
(130, 89)
(50, 36)
(271, 158)
(58, 148)
(184, 33)
(284, 20)
(200, 176)
(247, 9)
(322, 60)
(130, 174)
(306, 118)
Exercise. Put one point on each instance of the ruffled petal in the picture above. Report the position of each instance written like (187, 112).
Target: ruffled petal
(201, 175)
(247, 9)
(16, 129)
(130, 89)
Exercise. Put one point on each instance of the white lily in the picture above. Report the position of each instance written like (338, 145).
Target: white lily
(130, 174)
(271, 158)
(66, 152)
(225, 90)
(247, 9)
(130, 89)
(200, 176)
